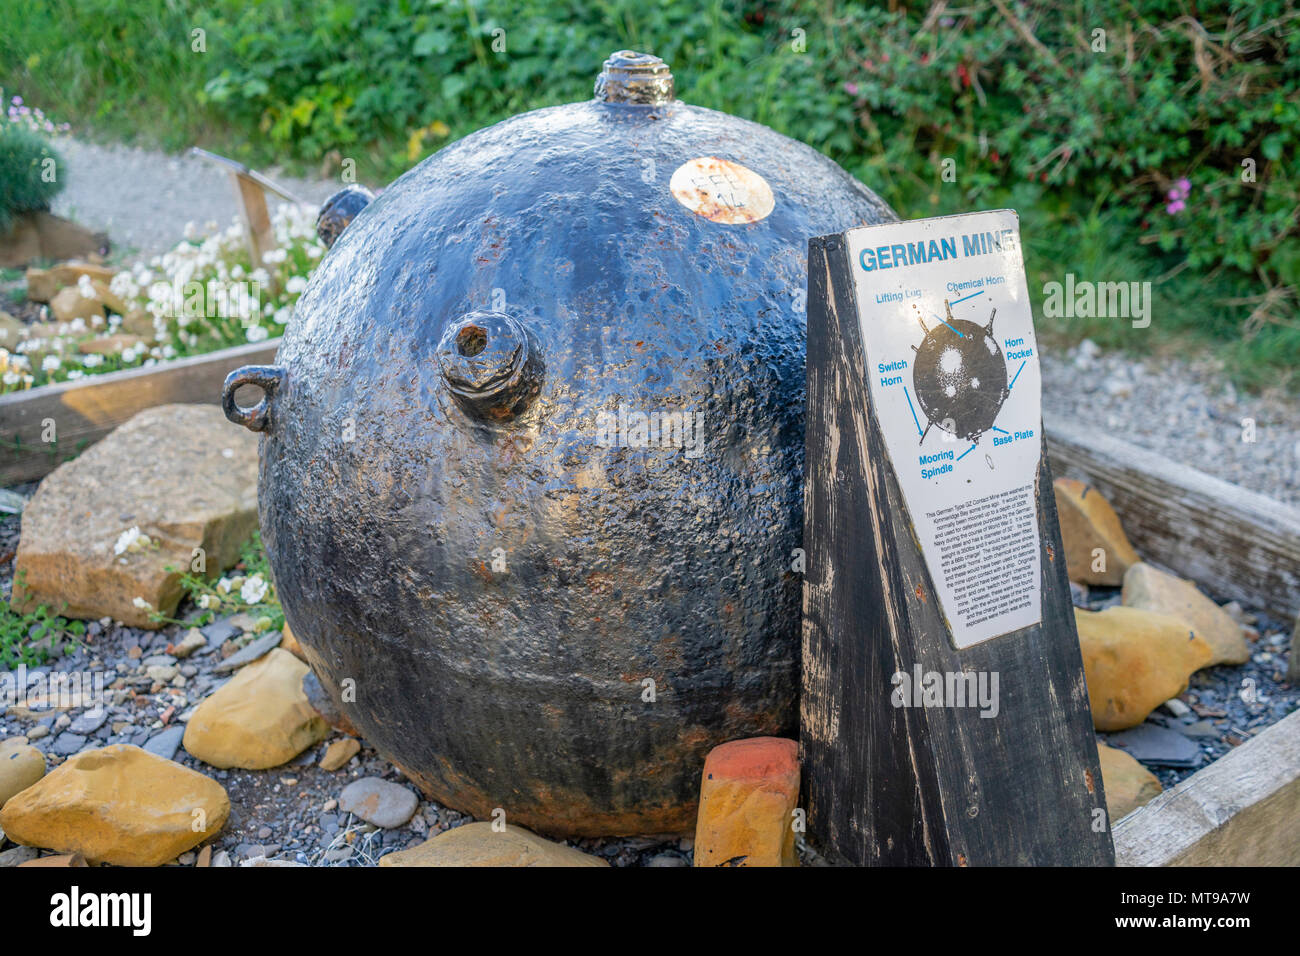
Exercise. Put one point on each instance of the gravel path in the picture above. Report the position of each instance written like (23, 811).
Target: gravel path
(143, 199)
(1185, 410)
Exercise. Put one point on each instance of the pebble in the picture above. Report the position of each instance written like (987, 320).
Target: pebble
(1160, 746)
(89, 722)
(68, 743)
(164, 744)
(248, 654)
(379, 802)
(218, 632)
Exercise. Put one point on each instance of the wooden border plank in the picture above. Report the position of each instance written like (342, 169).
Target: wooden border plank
(86, 410)
(1237, 544)
(1241, 810)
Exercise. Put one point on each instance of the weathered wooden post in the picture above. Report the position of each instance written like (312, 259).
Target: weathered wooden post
(945, 718)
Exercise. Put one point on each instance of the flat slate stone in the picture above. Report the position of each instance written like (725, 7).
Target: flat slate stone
(249, 654)
(164, 743)
(218, 632)
(68, 743)
(89, 722)
(1158, 746)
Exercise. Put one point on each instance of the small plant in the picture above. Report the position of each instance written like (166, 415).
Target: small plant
(23, 634)
(27, 173)
(204, 294)
(246, 589)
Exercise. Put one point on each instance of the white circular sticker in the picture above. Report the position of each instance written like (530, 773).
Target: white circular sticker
(722, 191)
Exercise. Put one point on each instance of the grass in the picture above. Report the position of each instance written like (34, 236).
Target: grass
(270, 86)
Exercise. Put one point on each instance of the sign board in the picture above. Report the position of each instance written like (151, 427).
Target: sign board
(945, 316)
(945, 718)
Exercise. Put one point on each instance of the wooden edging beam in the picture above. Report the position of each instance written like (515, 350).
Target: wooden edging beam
(85, 411)
(1241, 810)
(1237, 544)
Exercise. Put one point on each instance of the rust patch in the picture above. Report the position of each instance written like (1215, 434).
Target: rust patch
(920, 595)
(1087, 779)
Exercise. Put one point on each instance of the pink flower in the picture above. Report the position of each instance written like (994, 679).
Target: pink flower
(1175, 207)
(851, 89)
(1185, 185)
(17, 101)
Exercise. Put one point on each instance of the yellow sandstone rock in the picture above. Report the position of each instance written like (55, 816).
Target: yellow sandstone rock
(68, 304)
(105, 528)
(260, 719)
(290, 643)
(339, 752)
(1128, 784)
(118, 805)
(748, 795)
(477, 844)
(1151, 590)
(42, 284)
(20, 767)
(1134, 661)
(1096, 549)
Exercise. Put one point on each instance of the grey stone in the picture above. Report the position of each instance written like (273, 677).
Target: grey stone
(19, 854)
(68, 743)
(249, 654)
(158, 660)
(164, 743)
(1158, 746)
(89, 722)
(379, 802)
(217, 633)
(1201, 730)
(667, 859)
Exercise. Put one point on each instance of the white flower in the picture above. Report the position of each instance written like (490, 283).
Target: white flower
(295, 285)
(257, 333)
(131, 540)
(84, 287)
(93, 361)
(224, 585)
(206, 601)
(142, 604)
(253, 590)
(11, 378)
(50, 363)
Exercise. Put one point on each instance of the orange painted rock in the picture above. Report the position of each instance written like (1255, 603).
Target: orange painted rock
(1134, 661)
(748, 794)
(1096, 549)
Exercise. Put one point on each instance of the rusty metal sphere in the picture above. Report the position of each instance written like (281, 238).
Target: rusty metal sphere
(531, 475)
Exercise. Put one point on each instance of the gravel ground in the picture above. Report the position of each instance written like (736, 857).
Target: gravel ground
(143, 199)
(288, 813)
(1185, 410)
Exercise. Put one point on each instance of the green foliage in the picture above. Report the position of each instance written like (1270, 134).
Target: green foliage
(228, 595)
(1087, 143)
(24, 186)
(30, 637)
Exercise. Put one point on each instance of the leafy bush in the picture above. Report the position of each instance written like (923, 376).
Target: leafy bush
(1122, 150)
(28, 172)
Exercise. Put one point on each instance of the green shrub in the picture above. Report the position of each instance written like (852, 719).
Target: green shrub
(1087, 143)
(27, 173)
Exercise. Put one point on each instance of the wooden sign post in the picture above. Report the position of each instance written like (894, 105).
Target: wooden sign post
(945, 718)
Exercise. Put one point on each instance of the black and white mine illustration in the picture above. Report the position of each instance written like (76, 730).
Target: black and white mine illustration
(960, 376)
